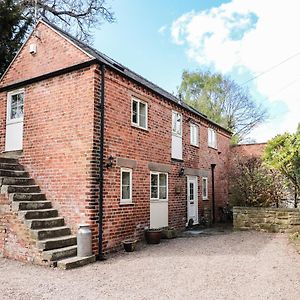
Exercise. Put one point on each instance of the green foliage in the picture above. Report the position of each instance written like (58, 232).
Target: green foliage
(254, 184)
(223, 101)
(282, 153)
(13, 29)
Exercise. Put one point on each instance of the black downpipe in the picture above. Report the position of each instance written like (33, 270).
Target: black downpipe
(213, 192)
(100, 218)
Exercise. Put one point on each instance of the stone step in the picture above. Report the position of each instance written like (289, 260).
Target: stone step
(39, 214)
(11, 166)
(45, 223)
(56, 243)
(13, 173)
(58, 254)
(27, 197)
(16, 181)
(8, 160)
(42, 234)
(7, 189)
(75, 262)
(31, 205)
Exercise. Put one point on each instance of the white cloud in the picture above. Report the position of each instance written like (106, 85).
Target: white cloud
(250, 36)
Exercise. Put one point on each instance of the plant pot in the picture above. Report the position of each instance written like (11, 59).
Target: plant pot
(129, 245)
(153, 236)
(168, 233)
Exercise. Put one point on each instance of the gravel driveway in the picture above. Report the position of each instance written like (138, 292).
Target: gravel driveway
(233, 265)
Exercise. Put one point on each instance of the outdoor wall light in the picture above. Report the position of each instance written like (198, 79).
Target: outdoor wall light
(110, 162)
(181, 172)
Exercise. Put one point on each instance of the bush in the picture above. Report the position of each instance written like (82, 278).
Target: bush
(254, 184)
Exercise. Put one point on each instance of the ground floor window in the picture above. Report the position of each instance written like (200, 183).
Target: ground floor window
(159, 186)
(204, 188)
(126, 186)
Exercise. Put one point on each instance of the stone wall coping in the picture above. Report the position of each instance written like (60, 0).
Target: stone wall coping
(275, 209)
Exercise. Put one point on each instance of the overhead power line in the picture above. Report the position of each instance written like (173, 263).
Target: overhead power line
(272, 68)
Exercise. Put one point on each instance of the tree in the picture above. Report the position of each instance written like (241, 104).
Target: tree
(254, 184)
(13, 29)
(223, 101)
(282, 153)
(17, 17)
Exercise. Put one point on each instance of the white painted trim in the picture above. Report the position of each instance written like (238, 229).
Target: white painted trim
(49, 26)
(138, 113)
(193, 179)
(126, 201)
(175, 133)
(8, 106)
(167, 191)
(197, 128)
(212, 143)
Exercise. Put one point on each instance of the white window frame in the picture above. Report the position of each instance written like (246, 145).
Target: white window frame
(175, 132)
(204, 183)
(138, 113)
(8, 108)
(126, 201)
(167, 191)
(212, 138)
(194, 129)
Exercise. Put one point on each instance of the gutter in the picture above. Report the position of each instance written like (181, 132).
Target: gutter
(16, 85)
(100, 200)
(213, 192)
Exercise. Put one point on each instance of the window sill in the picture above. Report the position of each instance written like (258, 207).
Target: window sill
(205, 199)
(126, 203)
(176, 159)
(139, 127)
(214, 148)
(196, 146)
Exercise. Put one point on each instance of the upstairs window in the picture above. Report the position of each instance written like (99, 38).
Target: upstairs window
(194, 132)
(126, 186)
(139, 115)
(159, 186)
(212, 138)
(204, 188)
(176, 123)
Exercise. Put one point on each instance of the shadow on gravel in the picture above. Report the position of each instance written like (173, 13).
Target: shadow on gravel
(215, 241)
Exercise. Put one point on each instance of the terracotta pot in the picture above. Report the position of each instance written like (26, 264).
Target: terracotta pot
(129, 245)
(153, 236)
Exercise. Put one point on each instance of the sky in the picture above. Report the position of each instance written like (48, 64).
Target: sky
(255, 42)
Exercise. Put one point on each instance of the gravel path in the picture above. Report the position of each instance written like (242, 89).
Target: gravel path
(234, 265)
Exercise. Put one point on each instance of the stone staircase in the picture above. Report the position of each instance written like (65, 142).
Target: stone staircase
(53, 238)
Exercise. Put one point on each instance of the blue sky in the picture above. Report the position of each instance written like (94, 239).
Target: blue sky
(240, 38)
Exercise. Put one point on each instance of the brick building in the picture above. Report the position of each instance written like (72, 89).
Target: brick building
(90, 141)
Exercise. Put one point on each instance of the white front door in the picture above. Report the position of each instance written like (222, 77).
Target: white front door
(192, 199)
(14, 121)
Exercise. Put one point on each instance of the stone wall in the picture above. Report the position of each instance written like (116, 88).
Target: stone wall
(266, 219)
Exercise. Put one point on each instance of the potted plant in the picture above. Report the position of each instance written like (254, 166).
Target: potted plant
(153, 235)
(129, 245)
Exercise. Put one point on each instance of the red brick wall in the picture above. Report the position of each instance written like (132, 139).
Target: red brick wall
(248, 150)
(154, 145)
(15, 239)
(58, 126)
(61, 144)
(53, 53)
